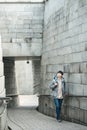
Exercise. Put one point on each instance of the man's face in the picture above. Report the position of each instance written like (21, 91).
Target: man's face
(59, 75)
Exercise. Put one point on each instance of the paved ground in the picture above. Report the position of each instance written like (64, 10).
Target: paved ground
(26, 119)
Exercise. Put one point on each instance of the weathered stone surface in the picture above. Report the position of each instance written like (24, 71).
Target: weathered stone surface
(83, 67)
(84, 78)
(1, 69)
(10, 77)
(64, 48)
(21, 28)
(2, 84)
(3, 112)
(24, 77)
(21, 1)
(72, 108)
(36, 66)
(62, 28)
(20, 50)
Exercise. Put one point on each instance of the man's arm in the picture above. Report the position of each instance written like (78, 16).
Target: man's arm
(53, 84)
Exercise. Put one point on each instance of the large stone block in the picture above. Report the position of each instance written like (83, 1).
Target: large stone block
(82, 3)
(75, 89)
(1, 69)
(84, 78)
(73, 78)
(84, 27)
(73, 102)
(0, 55)
(2, 84)
(83, 103)
(85, 90)
(17, 32)
(78, 21)
(19, 0)
(20, 49)
(74, 68)
(82, 37)
(83, 67)
(73, 58)
(54, 68)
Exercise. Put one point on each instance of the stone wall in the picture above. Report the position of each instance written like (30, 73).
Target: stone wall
(3, 113)
(65, 48)
(36, 67)
(10, 81)
(21, 26)
(25, 1)
(24, 77)
(10, 78)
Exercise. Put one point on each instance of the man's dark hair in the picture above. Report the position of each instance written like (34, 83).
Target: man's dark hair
(61, 72)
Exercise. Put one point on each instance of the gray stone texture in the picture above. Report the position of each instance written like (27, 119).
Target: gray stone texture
(36, 66)
(64, 48)
(21, 27)
(56, 31)
(10, 81)
(3, 112)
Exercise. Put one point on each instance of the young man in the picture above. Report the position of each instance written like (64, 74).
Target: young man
(58, 88)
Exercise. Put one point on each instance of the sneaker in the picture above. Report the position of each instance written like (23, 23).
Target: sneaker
(59, 120)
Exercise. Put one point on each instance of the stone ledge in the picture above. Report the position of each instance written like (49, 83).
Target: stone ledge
(22, 1)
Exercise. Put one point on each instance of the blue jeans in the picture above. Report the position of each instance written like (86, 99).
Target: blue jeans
(58, 104)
